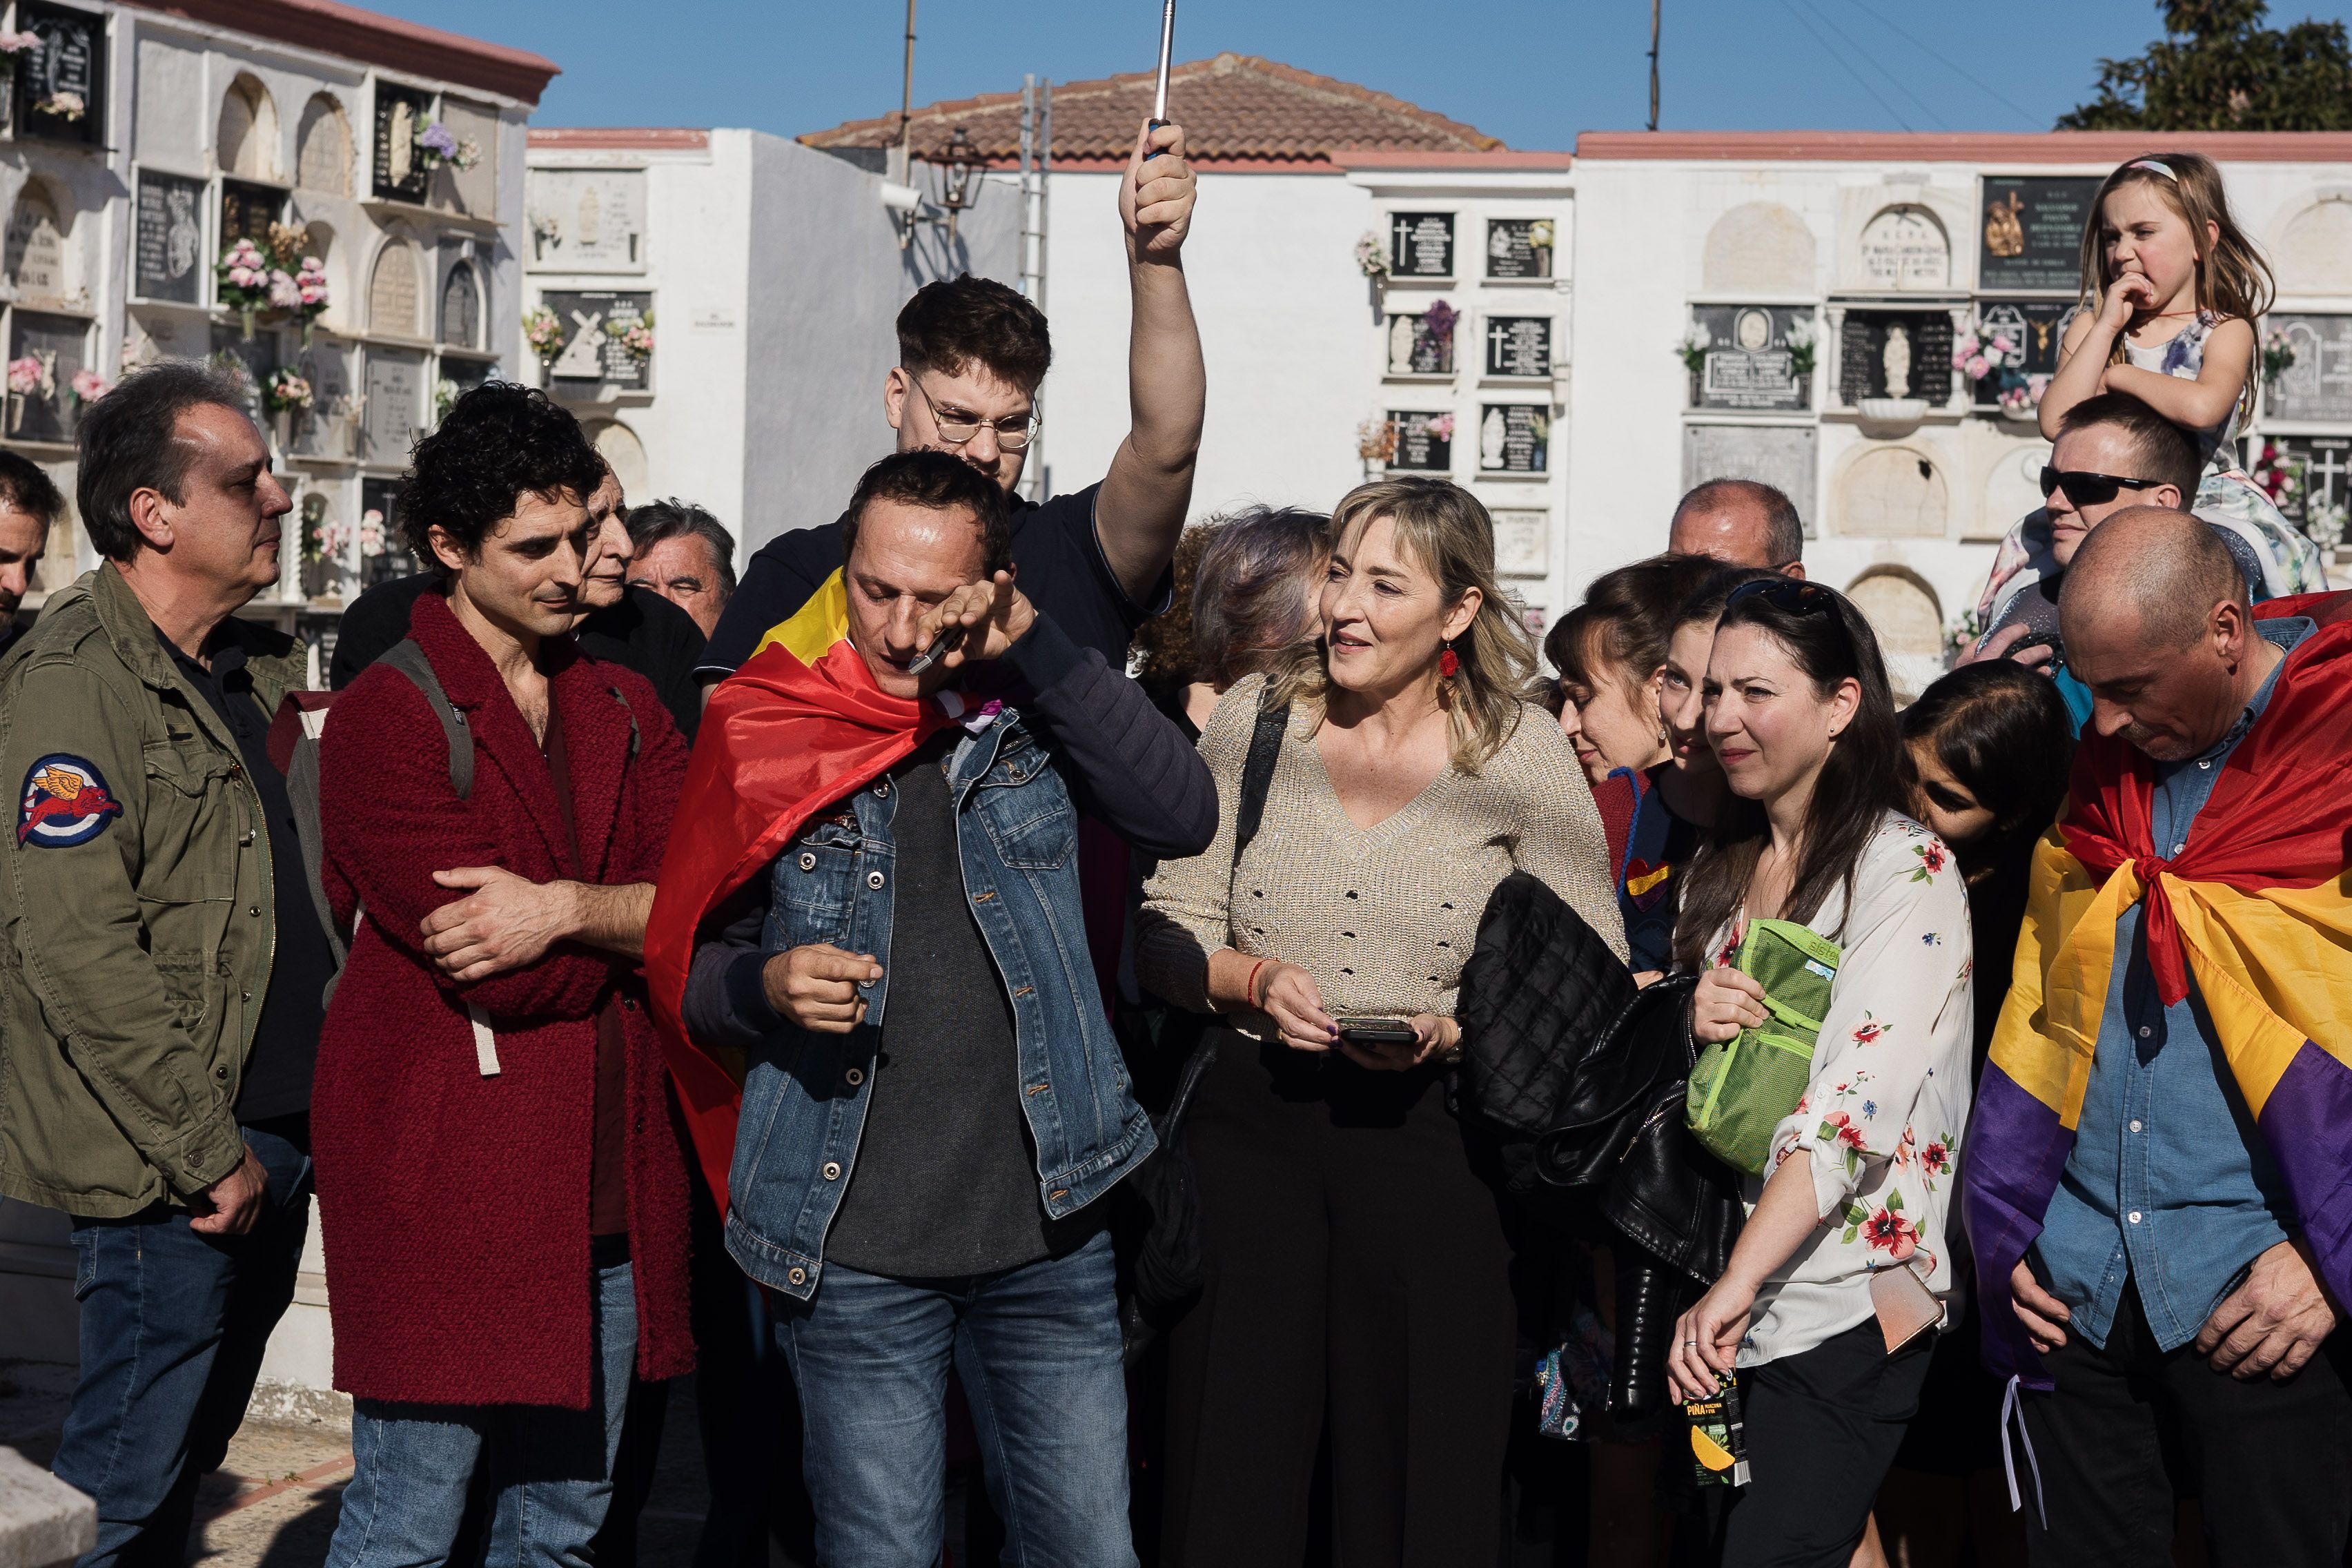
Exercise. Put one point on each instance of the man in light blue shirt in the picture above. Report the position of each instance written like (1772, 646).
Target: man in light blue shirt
(2192, 1345)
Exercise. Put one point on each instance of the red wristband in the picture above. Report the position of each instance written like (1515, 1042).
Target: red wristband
(1249, 986)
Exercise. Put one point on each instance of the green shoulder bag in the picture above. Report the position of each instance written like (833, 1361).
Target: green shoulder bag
(1742, 1089)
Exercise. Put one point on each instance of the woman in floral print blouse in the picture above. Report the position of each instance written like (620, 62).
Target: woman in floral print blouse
(1800, 716)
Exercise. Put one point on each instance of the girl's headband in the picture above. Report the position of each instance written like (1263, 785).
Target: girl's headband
(2164, 169)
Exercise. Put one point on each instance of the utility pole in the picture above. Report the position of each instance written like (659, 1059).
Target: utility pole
(900, 155)
(1653, 54)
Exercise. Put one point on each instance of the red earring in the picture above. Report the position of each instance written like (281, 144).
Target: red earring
(1449, 664)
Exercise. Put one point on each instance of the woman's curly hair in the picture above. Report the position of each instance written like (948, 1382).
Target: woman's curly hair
(500, 443)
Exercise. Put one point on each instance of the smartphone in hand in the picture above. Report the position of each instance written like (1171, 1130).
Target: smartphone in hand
(1377, 1032)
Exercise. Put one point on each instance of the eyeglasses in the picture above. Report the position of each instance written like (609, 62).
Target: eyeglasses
(1792, 595)
(2089, 489)
(958, 426)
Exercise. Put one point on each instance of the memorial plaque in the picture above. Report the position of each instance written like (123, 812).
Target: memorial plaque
(49, 413)
(1522, 542)
(1519, 346)
(253, 359)
(1514, 438)
(60, 84)
(593, 350)
(35, 257)
(1896, 353)
(393, 414)
(461, 309)
(327, 428)
(171, 238)
(2039, 324)
(1421, 245)
(588, 220)
(1518, 248)
(396, 175)
(2030, 232)
(1781, 456)
(1750, 362)
(392, 292)
(476, 189)
(246, 213)
(2326, 478)
(2318, 385)
(1903, 247)
(390, 557)
(1417, 348)
(1424, 441)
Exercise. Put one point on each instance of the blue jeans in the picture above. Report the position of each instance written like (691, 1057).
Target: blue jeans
(173, 1324)
(1037, 1349)
(552, 1468)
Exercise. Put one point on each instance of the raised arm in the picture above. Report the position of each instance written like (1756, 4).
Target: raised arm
(2201, 404)
(1149, 490)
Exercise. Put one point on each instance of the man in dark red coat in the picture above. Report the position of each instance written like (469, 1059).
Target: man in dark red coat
(503, 1197)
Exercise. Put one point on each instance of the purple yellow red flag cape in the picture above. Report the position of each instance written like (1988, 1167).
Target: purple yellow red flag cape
(799, 725)
(2256, 909)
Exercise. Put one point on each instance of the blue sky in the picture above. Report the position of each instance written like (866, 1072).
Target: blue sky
(1533, 72)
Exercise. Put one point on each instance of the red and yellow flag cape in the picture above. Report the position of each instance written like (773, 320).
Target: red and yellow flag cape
(2256, 909)
(799, 725)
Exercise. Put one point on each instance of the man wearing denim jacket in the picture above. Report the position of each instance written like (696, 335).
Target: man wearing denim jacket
(934, 1100)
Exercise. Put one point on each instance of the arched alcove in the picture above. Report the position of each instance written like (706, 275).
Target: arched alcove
(461, 308)
(1893, 492)
(1904, 246)
(626, 454)
(1760, 247)
(1909, 620)
(247, 141)
(38, 263)
(323, 159)
(2315, 248)
(394, 293)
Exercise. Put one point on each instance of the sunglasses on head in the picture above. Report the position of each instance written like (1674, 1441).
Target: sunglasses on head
(2089, 489)
(1793, 596)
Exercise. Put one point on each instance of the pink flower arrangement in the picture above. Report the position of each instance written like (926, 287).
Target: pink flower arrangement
(17, 43)
(25, 376)
(63, 105)
(1442, 426)
(543, 331)
(285, 391)
(89, 386)
(244, 281)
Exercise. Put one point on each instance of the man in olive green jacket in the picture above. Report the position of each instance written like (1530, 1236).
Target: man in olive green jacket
(160, 1018)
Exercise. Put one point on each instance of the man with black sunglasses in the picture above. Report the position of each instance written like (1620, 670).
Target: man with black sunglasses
(2113, 452)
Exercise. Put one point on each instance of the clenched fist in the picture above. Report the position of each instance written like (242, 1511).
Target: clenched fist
(817, 986)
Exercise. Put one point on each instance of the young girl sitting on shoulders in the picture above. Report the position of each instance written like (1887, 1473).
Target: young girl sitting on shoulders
(2171, 292)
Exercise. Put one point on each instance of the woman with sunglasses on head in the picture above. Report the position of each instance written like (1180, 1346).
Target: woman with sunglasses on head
(1860, 1172)
(1354, 1258)
(1611, 654)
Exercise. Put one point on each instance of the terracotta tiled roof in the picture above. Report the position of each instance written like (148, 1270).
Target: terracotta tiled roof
(1235, 109)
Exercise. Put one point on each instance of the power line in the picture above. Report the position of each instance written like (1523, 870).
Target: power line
(1871, 60)
(1953, 65)
(1861, 80)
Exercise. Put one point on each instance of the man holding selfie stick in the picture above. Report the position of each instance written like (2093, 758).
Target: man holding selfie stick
(934, 1104)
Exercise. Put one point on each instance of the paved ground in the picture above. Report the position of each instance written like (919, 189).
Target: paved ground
(273, 1504)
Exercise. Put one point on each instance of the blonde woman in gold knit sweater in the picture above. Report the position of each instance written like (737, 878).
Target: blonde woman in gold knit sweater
(1356, 1262)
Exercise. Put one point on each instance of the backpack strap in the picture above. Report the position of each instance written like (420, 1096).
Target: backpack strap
(1257, 773)
(405, 656)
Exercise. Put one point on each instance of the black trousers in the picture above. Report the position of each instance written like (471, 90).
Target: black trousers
(1823, 1428)
(1356, 1264)
(2130, 1429)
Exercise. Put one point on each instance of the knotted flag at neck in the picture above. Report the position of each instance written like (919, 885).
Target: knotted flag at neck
(799, 726)
(2254, 908)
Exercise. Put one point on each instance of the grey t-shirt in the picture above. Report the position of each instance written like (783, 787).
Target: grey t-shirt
(945, 1182)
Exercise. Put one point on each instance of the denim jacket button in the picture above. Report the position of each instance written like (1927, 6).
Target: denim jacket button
(855, 1077)
(808, 861)
(874, 880)
(832, 1171)
(881, 789)
(798, 1276)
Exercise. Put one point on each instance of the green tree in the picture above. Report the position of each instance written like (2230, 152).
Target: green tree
(2218, 67)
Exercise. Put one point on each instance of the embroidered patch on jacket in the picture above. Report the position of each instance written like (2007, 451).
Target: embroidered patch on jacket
(1643, 883)
(65, 802)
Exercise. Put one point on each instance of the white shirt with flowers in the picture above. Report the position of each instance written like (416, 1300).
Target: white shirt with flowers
(1888, 1103)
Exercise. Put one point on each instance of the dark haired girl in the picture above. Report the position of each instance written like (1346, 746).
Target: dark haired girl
(1990, 745)
(1798, 715)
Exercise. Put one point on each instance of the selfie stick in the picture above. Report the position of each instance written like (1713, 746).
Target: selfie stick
(1159, 93)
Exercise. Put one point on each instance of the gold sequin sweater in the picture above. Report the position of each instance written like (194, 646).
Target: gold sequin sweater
(1381, 917)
